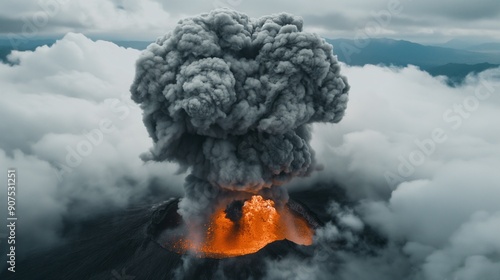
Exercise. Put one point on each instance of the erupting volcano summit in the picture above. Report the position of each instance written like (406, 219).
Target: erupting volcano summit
(231, 98)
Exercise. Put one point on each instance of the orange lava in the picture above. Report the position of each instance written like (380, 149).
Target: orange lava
(260, 225)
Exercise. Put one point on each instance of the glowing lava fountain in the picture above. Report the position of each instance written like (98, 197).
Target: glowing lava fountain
(258, 224)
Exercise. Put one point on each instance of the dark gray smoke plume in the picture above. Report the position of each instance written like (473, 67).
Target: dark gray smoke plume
(232, 98)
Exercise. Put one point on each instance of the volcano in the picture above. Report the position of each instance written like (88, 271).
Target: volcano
(257, 223)
(132, 245)
(231, 100)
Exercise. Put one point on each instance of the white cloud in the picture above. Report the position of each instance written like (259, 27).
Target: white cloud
(444, 209)
(440, 220)
(472, 251)
(71, 130)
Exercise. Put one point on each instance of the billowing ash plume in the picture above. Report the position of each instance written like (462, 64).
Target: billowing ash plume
(231, 98)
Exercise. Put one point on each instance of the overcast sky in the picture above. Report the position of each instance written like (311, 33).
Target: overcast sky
(425, 21)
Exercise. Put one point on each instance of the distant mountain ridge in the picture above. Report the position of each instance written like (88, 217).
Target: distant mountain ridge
(491, 47)
(456, 72)
(454, 63)
(7, 46)
(402, 53)
(460, 44)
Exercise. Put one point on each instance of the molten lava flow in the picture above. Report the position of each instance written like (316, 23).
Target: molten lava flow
(260, 224)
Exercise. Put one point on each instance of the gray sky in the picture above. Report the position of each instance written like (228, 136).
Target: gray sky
(425, 21)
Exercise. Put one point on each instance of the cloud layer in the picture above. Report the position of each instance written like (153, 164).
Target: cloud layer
(71, 130)
(421, 160)
(418, 160)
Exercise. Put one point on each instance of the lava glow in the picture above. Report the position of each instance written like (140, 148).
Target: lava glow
(260, 224)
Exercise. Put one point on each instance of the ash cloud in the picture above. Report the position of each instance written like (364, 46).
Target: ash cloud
(232, 98)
